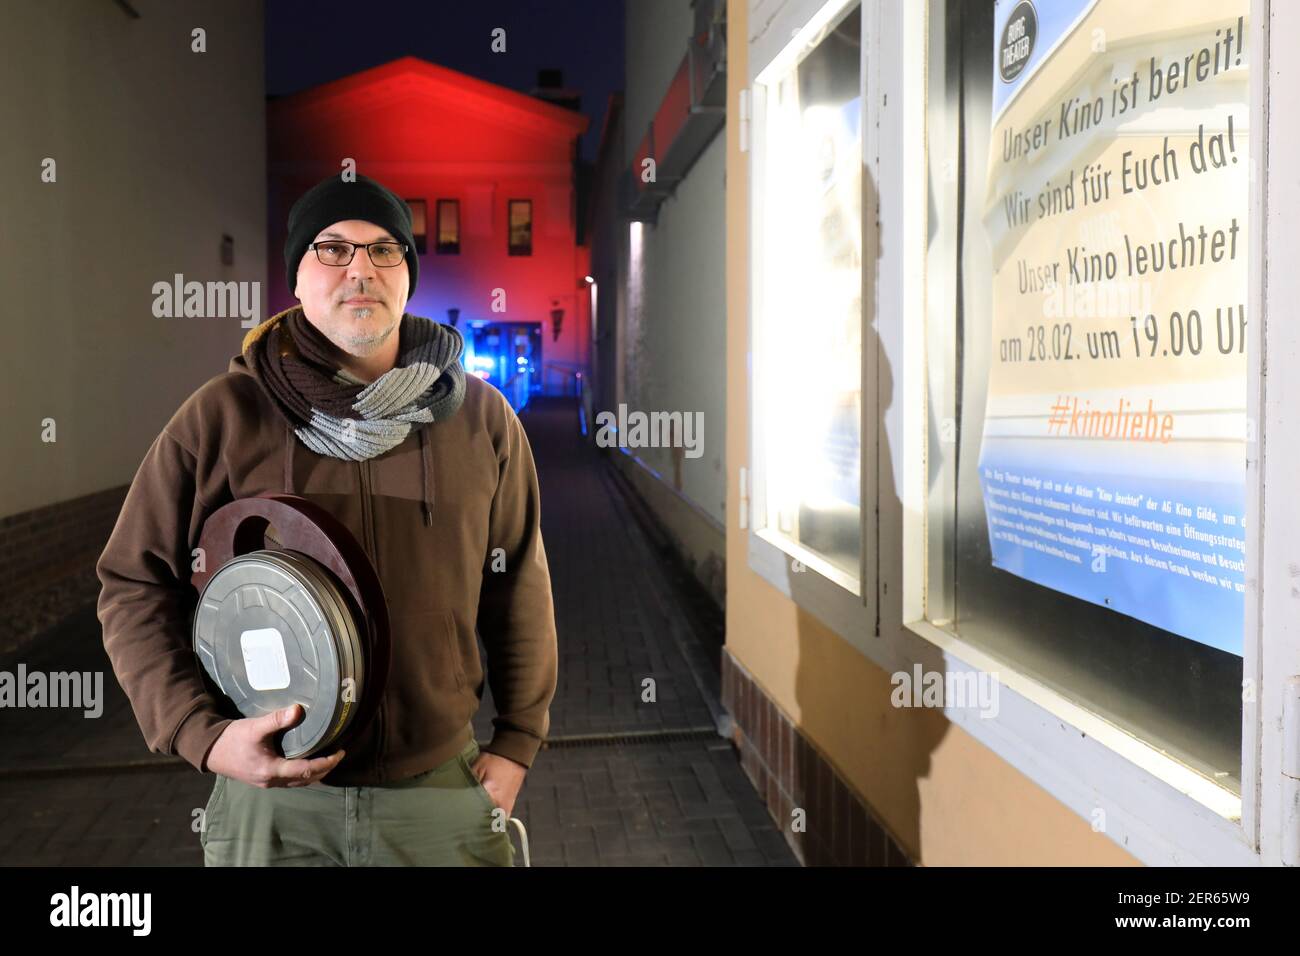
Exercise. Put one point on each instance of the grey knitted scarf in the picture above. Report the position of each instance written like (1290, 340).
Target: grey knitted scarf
(427, 385)
(394, 402)
(335, 413)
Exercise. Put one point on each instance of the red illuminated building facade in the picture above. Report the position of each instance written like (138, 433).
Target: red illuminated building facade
(491, 178)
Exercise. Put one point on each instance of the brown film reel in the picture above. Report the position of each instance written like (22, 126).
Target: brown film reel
(291, 610)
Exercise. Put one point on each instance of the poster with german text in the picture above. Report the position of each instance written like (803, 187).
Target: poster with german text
(1112, 462)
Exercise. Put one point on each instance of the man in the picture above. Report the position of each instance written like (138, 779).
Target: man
(365, 410)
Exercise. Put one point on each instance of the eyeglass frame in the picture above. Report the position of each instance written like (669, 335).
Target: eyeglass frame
(355, 246)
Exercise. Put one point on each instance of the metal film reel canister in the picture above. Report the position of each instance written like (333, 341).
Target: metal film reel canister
(293, 614)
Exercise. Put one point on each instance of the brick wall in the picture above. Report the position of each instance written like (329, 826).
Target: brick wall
(47, 562)
(789, 772)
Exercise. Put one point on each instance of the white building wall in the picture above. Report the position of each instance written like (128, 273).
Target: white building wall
(675, 321)
(159, 151)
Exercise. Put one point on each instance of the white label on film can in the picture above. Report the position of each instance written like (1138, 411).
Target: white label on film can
(264, 659)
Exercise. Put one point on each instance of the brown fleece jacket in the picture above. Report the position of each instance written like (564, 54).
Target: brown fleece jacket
(471, 474)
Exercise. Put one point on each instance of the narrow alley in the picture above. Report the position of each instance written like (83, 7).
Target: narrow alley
(621, 780)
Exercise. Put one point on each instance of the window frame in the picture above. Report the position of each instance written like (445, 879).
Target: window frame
(1159, 810)
(438, 245)
(420, 236)
(511, 248)
(800, 574)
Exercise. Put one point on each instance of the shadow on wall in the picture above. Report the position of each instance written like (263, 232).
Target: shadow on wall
(895, 742)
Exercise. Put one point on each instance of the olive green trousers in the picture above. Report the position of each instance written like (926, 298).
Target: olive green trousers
(443, 817)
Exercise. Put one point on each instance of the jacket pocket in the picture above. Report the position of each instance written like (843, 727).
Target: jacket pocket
(425, 704)
(464, 643)
(456, 656)
(218, 790)
(466, 763)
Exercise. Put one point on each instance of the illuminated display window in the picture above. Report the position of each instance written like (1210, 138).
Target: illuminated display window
(520, 222)
(1085, 344)
(806, 300)
(448, 227)
(1067, 442)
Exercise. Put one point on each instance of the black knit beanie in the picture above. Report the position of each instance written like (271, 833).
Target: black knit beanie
(333, 200)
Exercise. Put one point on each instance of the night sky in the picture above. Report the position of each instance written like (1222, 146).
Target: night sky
(309, 42)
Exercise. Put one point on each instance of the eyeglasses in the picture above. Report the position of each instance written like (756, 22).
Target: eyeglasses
(339, 252)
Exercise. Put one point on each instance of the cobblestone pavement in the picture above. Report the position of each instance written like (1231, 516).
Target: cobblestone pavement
(623, 781)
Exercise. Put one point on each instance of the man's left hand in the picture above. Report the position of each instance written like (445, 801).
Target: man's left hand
(501, 777)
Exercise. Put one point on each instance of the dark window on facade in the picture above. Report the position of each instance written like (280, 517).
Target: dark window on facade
(419, 223)
(448, 227)
(521, 227)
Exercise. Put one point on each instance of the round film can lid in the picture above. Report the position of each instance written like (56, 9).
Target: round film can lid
(271, 630)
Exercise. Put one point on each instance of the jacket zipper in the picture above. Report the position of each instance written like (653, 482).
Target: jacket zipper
(368, 536)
